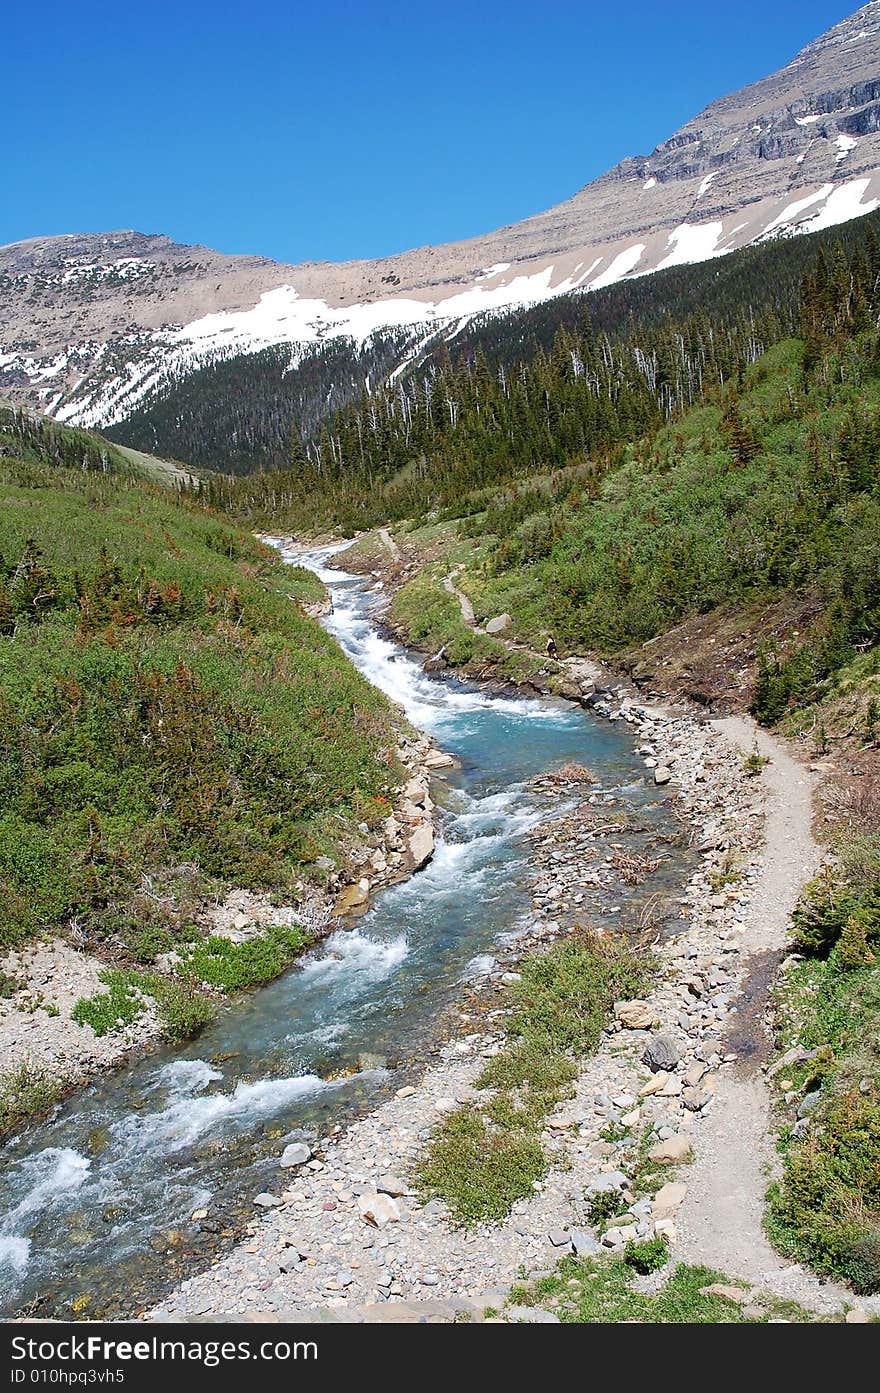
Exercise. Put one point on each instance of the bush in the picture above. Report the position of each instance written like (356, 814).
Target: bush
(648, 1256)
(861, 1265)
(112, 1010)
(231, 967)
(479, 1168)
(821, 914)
(826, 1209)
(26, 1092)
(183, 1012)
(563, 997)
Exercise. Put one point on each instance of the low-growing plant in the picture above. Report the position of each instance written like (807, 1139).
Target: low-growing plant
(114, 1009)
(605, 1205)
(231, 967)
(26, 1092)
(646, 1256)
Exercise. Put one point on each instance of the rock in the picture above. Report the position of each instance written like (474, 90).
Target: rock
(662, 1052)
(667, 1200)
(629, 1119)
(635, 1015)
(665, 1228)
(415, 792)
(857, 1317)
(531, 1315)
(655, 1084)
(406, 1092)
(605, 1181)
(438, 759)
(378, 1210)
(728, 1293)
(391, 1185)
(796, 1055)
(672, 1087)
(421, 845)
(809, 1103)
(673, 1151)
(560, 1238)
(694, 1074)
(498, 624)
(295, 1155)
(662, 774)
(266, 1201)
(583, 1245)
(695, 1099)
(353, 899)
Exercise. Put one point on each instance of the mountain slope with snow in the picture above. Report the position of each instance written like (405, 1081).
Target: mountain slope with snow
(92, 326)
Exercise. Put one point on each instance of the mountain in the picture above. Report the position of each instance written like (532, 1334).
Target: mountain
(96, 328)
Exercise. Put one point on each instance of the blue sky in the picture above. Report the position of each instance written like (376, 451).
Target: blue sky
(334, 129)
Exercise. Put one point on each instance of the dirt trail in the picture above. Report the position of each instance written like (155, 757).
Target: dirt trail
(464, 604)
(719, 1223)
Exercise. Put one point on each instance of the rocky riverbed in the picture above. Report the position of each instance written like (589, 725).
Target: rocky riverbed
(343, 1235)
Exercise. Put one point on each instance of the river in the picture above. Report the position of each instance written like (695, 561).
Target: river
(96, 1202)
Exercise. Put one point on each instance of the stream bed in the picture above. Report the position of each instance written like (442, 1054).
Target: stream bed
(96, 1203)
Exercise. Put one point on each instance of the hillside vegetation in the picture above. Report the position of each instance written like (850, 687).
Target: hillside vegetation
(171, 721)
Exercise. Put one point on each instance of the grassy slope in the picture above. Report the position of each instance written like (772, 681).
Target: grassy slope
(167, 711)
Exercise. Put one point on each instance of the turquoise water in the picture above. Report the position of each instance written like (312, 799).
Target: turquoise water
(98, 1200)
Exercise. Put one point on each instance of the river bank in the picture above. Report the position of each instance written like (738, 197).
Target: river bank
(315, 1247)
(677, 1076)
(151, 1171)
(47, 1053)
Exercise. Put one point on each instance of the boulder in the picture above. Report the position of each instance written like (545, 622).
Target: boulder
(662, 775)
(530, 1315)
(674, 1151)
(391, 1185)
(667, 1200)
(728, 1293)
(583, 1245)
(438, 759)
(295, 1155)
(604, 1181)
(421, 845)
(266, 1201)
(498, 624)
(662, 1052)
(635, 1015)
(353, 899)
(378, 1210)
(809, 1103)
(416, 792)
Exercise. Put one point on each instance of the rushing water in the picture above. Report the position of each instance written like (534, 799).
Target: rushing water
(98, 1200)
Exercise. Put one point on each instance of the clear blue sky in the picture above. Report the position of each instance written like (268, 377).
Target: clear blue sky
(334, 129)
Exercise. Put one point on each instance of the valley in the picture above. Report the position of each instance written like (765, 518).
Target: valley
(440, 754)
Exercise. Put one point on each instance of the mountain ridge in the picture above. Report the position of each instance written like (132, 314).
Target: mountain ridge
(92, 325)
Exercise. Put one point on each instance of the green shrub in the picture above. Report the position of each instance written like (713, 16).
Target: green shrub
(648, 1256)
(231, 967)
(605, 1205)
(112, 1010)
(821, 914)
(183, 1012)
(26, 1092)
(479, 1168)
(564, 995)
(861, 1264)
